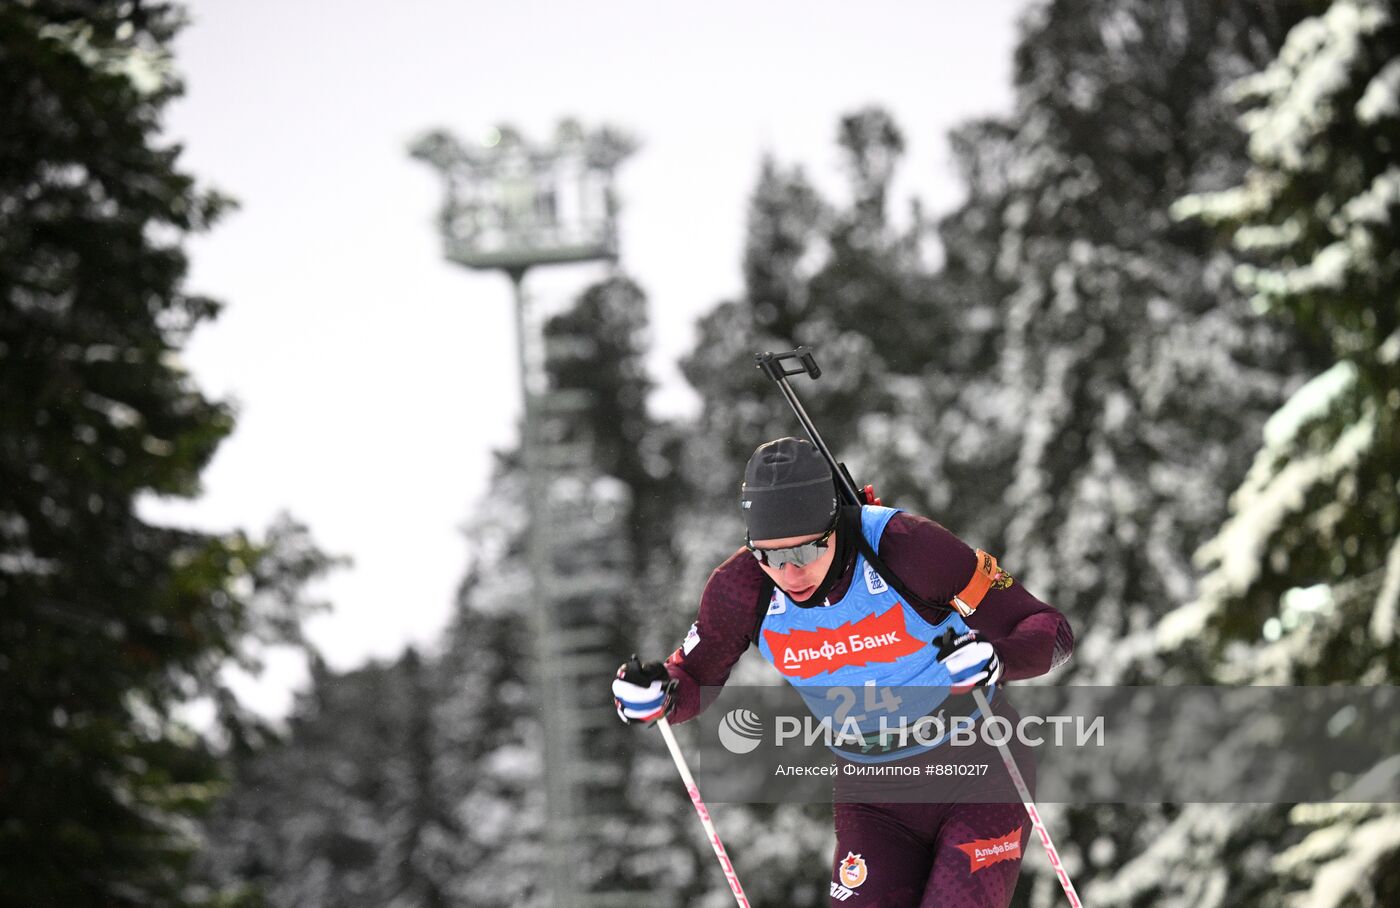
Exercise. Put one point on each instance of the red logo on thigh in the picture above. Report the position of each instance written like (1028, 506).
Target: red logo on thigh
(986, 852)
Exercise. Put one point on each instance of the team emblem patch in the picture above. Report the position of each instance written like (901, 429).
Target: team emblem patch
(692, 637)
(988, 567)
(852, 871)
(777, 604)
(985, 852)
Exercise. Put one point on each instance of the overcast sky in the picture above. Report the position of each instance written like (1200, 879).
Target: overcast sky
(374, 378)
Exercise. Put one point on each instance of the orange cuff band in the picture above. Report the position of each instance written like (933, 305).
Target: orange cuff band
(983, 577)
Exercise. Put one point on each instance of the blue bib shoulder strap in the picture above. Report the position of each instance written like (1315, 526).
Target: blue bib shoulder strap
(873, 522)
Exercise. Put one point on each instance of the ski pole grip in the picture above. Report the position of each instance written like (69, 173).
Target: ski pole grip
(772, 363)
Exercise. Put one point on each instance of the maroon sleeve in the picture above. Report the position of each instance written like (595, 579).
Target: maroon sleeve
(729, 611)
(1030, 636)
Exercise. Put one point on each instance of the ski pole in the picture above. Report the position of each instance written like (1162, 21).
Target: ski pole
(772, 366)
(1024, 791)
(704, 813)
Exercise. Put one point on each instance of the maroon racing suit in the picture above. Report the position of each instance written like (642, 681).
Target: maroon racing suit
(906, 854)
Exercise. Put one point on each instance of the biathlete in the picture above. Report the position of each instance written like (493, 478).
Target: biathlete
(948, 616)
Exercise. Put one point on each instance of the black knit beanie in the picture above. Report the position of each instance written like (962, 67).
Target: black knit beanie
(788, 491)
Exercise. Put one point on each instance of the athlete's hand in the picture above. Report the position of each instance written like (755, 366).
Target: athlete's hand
(642, 691)
(970, 660)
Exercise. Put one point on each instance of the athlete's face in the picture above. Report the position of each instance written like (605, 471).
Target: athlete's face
(798, 582)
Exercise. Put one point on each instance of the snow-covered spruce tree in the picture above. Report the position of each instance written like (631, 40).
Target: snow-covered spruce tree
(487, 760)
(1310, 545)
(344, 810)
(1097, 383)
(1130, 374)
(1108, 382)
(1303, 579)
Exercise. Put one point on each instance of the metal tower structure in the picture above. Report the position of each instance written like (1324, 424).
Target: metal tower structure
(512, 206)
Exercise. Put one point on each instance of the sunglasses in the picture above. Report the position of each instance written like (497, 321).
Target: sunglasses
(799, 555)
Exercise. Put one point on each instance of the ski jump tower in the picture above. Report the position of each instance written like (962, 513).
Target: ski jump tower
(512, 206)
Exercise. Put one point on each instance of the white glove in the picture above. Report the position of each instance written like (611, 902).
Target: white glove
(970, 661)
(642, 693)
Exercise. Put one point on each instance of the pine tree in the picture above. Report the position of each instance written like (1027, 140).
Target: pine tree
(487, 733)
(109, 624)
(1312, 537)
(1123, 370)
(1303, 578)
(1102, 383)
(335, 812)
